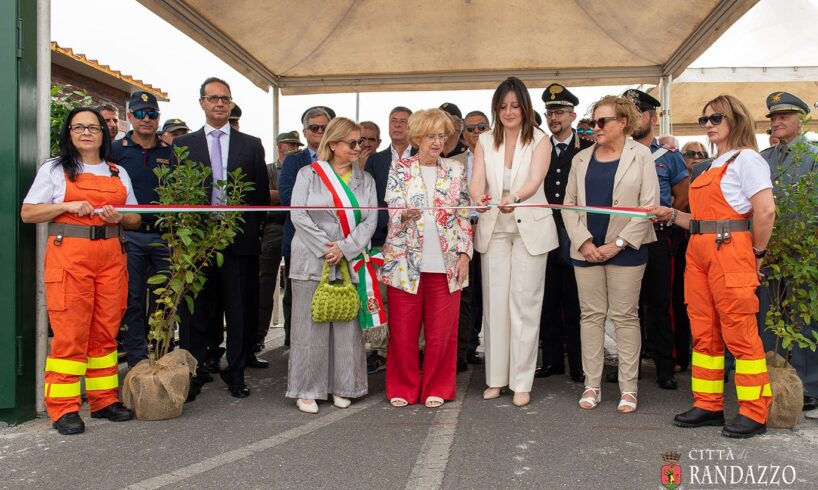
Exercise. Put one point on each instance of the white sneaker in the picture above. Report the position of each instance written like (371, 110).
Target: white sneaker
(307, 407)
(341, 402)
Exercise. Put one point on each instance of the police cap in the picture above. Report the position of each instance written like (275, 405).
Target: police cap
(778, 102)
(557, 95)
(142, 100)
(451, 109)
(643, 101)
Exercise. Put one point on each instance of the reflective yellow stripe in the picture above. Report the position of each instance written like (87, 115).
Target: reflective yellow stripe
(65, 366)
(748, 393)
(102, 383)
(58, 390)
(707, 386)
(102, 362)
(708, 362)
(753, 366)
(766, 391)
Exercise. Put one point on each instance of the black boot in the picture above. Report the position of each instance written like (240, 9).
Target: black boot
(743, 428)
(70, 423)
(115, 412)
(698, 417)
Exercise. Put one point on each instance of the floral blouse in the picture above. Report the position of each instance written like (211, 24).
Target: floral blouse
(403, 249)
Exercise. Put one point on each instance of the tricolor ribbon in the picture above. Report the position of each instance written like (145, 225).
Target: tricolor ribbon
(639, 213)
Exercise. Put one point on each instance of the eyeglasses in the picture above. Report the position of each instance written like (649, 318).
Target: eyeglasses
(214, 99)
(441, 137)
(602, 121)
(479, 127)
(140, 114)
(557, 112)
(715, 119)
(317, 128)
(694, 154)
(80, 128)
(370, 139)
(588, 131)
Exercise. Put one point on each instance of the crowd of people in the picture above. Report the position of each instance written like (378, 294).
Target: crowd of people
(464, 239)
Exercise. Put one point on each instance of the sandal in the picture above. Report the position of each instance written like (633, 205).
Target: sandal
(589, 402)
(627, 406)
(492, 393)
(398, 402)
(434, 402)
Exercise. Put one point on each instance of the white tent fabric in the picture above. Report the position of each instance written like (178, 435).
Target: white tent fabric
(314, 46)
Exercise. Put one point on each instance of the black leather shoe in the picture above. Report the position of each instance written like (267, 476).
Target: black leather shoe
(70, 423)
(213, 365)
(462, 366)
(239, 390)
(254, 362)
(577, 377)
(667, 383)
(203, 377)
(698, 417)
(473, 358)
(548, 370)
(115, 412)
(193, 391)
(810, 403)
(743, 427)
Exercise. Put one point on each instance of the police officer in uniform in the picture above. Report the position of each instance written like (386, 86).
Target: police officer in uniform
(559, 322)
(139, 152)
(785, 111)
(656, 285)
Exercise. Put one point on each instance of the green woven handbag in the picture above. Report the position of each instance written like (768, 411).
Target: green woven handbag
(335, 302)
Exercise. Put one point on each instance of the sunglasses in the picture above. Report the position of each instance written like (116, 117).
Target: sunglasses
(481, 127)
(694, 154)
(602, 121)
(140, 114)
(317, 128)
(80, 128)
(354, 143)
(588, 131)
(715, 119)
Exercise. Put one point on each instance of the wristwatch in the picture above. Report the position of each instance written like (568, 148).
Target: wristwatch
(517, 199)
(760, 254)
(620, 243)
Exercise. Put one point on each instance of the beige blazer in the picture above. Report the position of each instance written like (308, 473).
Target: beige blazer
(536, 225)
(635, 186)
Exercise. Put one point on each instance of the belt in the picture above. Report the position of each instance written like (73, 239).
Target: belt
(718, 227)
(148, 228)
(61, 230)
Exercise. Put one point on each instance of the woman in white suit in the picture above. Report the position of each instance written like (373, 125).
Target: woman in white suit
(607, 251)
(510, 164)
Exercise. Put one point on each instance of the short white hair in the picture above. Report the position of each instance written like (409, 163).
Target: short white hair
(672, 138)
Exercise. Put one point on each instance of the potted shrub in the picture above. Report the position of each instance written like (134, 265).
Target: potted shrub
(792, 278)
(157, 388)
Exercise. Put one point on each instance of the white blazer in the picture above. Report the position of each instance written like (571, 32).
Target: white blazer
(536, 225)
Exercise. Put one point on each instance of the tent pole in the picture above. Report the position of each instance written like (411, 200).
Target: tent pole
(665, 126)
(357, 107)
(276, 106)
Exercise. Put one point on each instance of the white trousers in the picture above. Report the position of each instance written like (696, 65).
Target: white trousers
(513, 283)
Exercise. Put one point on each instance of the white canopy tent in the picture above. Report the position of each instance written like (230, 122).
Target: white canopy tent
(312, 46)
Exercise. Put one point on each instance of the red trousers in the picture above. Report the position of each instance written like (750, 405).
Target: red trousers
(437, 310)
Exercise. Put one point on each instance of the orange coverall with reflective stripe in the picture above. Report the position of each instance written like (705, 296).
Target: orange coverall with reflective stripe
(720, 285)
(86, 288)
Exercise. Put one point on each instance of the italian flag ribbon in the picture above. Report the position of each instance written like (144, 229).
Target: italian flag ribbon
(371, 313)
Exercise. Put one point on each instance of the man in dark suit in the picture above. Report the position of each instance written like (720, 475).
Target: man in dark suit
(236, 282)
(378, 165)
(559, 322)
(314, 120)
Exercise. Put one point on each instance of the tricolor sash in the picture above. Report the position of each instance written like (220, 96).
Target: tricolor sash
(372, 313)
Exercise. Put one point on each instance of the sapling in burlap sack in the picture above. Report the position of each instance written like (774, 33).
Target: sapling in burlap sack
(156, 388)
(791, 277)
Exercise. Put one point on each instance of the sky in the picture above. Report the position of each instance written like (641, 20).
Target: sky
(133, 40)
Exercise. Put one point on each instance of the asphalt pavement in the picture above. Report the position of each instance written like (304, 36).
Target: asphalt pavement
(264, 442)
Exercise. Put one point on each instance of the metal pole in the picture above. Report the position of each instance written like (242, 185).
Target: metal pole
(43, 153)
(665, 124)
(357, 106)
(276, 106)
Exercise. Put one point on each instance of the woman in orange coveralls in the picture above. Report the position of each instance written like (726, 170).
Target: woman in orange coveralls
(723, 267)
(86, 275)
